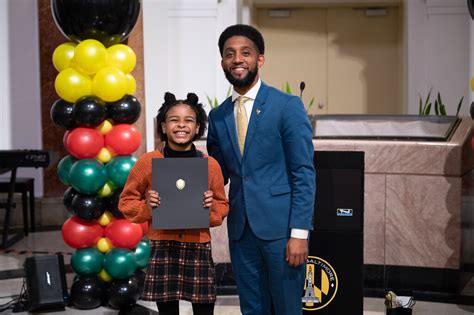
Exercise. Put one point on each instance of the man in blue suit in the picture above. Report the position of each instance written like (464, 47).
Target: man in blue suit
(261, 137)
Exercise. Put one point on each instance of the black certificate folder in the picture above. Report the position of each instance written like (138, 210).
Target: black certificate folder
(181, 183)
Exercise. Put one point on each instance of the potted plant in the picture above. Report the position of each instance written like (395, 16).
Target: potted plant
(439, 107)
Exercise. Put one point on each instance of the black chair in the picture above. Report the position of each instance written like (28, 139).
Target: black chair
(25, 186)
(9, 205)
(10, 160)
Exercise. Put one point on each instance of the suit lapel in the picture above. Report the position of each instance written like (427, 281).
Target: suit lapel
(231, 128)
(258, 112)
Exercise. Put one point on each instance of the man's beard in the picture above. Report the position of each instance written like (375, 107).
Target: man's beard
(245, 81)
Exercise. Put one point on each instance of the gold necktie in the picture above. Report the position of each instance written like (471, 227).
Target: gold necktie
(242, 122)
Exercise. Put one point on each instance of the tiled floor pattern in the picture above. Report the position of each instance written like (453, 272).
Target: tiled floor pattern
(226, 305)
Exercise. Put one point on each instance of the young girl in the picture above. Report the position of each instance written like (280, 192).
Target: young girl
(181, 265)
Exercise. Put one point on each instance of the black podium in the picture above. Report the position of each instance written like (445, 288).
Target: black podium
(334, 270)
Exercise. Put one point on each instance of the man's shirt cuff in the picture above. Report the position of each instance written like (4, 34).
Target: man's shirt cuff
(299, 233)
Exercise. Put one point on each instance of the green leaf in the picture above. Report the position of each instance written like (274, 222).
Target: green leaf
(213, 103)
(420, 107)
(428, 98)
(428, 109)
(459, 106)
(310, 104)
(442, 110)
(229, 91)
(209, 100)
(287, 88)
(436, 107)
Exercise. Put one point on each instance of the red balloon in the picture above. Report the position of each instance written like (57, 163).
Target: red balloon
(144, 226)
(123, 139)
(79, 234)
(123, 234)
(66, 134)
(84, 143)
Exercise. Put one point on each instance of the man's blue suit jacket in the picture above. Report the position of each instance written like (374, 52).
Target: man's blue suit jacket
(273, 183)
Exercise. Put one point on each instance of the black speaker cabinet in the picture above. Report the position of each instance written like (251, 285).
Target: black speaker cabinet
(46, 283)
(334, 269)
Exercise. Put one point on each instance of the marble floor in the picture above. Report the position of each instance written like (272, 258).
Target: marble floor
(11, 269)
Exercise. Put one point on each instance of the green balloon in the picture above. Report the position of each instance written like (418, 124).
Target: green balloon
(118, 169)
(87, 176)
(64, 166)
(87, 261)
(120, 263)
(142, 253)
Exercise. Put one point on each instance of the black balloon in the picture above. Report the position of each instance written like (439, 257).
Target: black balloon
(89, 111)
(87, 292)
(472, 110)
(139, 276)
(112, 202)
(69, 194)
(61, 114)
(88, 207)
(108, 21)
(123, 293)
(124, 111)
(470, 5)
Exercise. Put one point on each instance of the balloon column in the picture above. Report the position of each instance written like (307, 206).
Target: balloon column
(471, 112)
(97, 109)
(470, 5)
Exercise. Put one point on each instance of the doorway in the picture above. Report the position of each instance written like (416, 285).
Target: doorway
(351, 59)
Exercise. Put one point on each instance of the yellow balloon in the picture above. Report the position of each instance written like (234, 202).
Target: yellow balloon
(105, 218)
(106, 190)
(104, 276)
(110, 84)
(90, 56)
(122, 57)
(70, 85)
(132, 84)
(105, 127)
(104, 155)
(472, 84)
(104, 245)
(63, 55)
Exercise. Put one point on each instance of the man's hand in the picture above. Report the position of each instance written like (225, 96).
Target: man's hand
(208, 198)
(153, 199)
(296, 251)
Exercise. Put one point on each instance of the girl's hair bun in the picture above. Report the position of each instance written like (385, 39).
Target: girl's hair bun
(169, 98)
(192, 99)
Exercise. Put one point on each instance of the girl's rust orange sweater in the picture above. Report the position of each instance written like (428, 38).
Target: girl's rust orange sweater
(133, 201)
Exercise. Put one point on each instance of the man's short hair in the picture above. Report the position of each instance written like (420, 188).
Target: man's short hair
(242, 30)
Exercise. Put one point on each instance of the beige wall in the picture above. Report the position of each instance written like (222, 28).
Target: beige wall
(351, 63)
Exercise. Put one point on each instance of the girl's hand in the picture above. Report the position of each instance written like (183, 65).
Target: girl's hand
(153, 199)
(208, 198)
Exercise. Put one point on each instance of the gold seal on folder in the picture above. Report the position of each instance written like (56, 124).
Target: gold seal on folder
(180, 183)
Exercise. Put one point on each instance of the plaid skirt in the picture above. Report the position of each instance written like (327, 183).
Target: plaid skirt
(180, 271)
